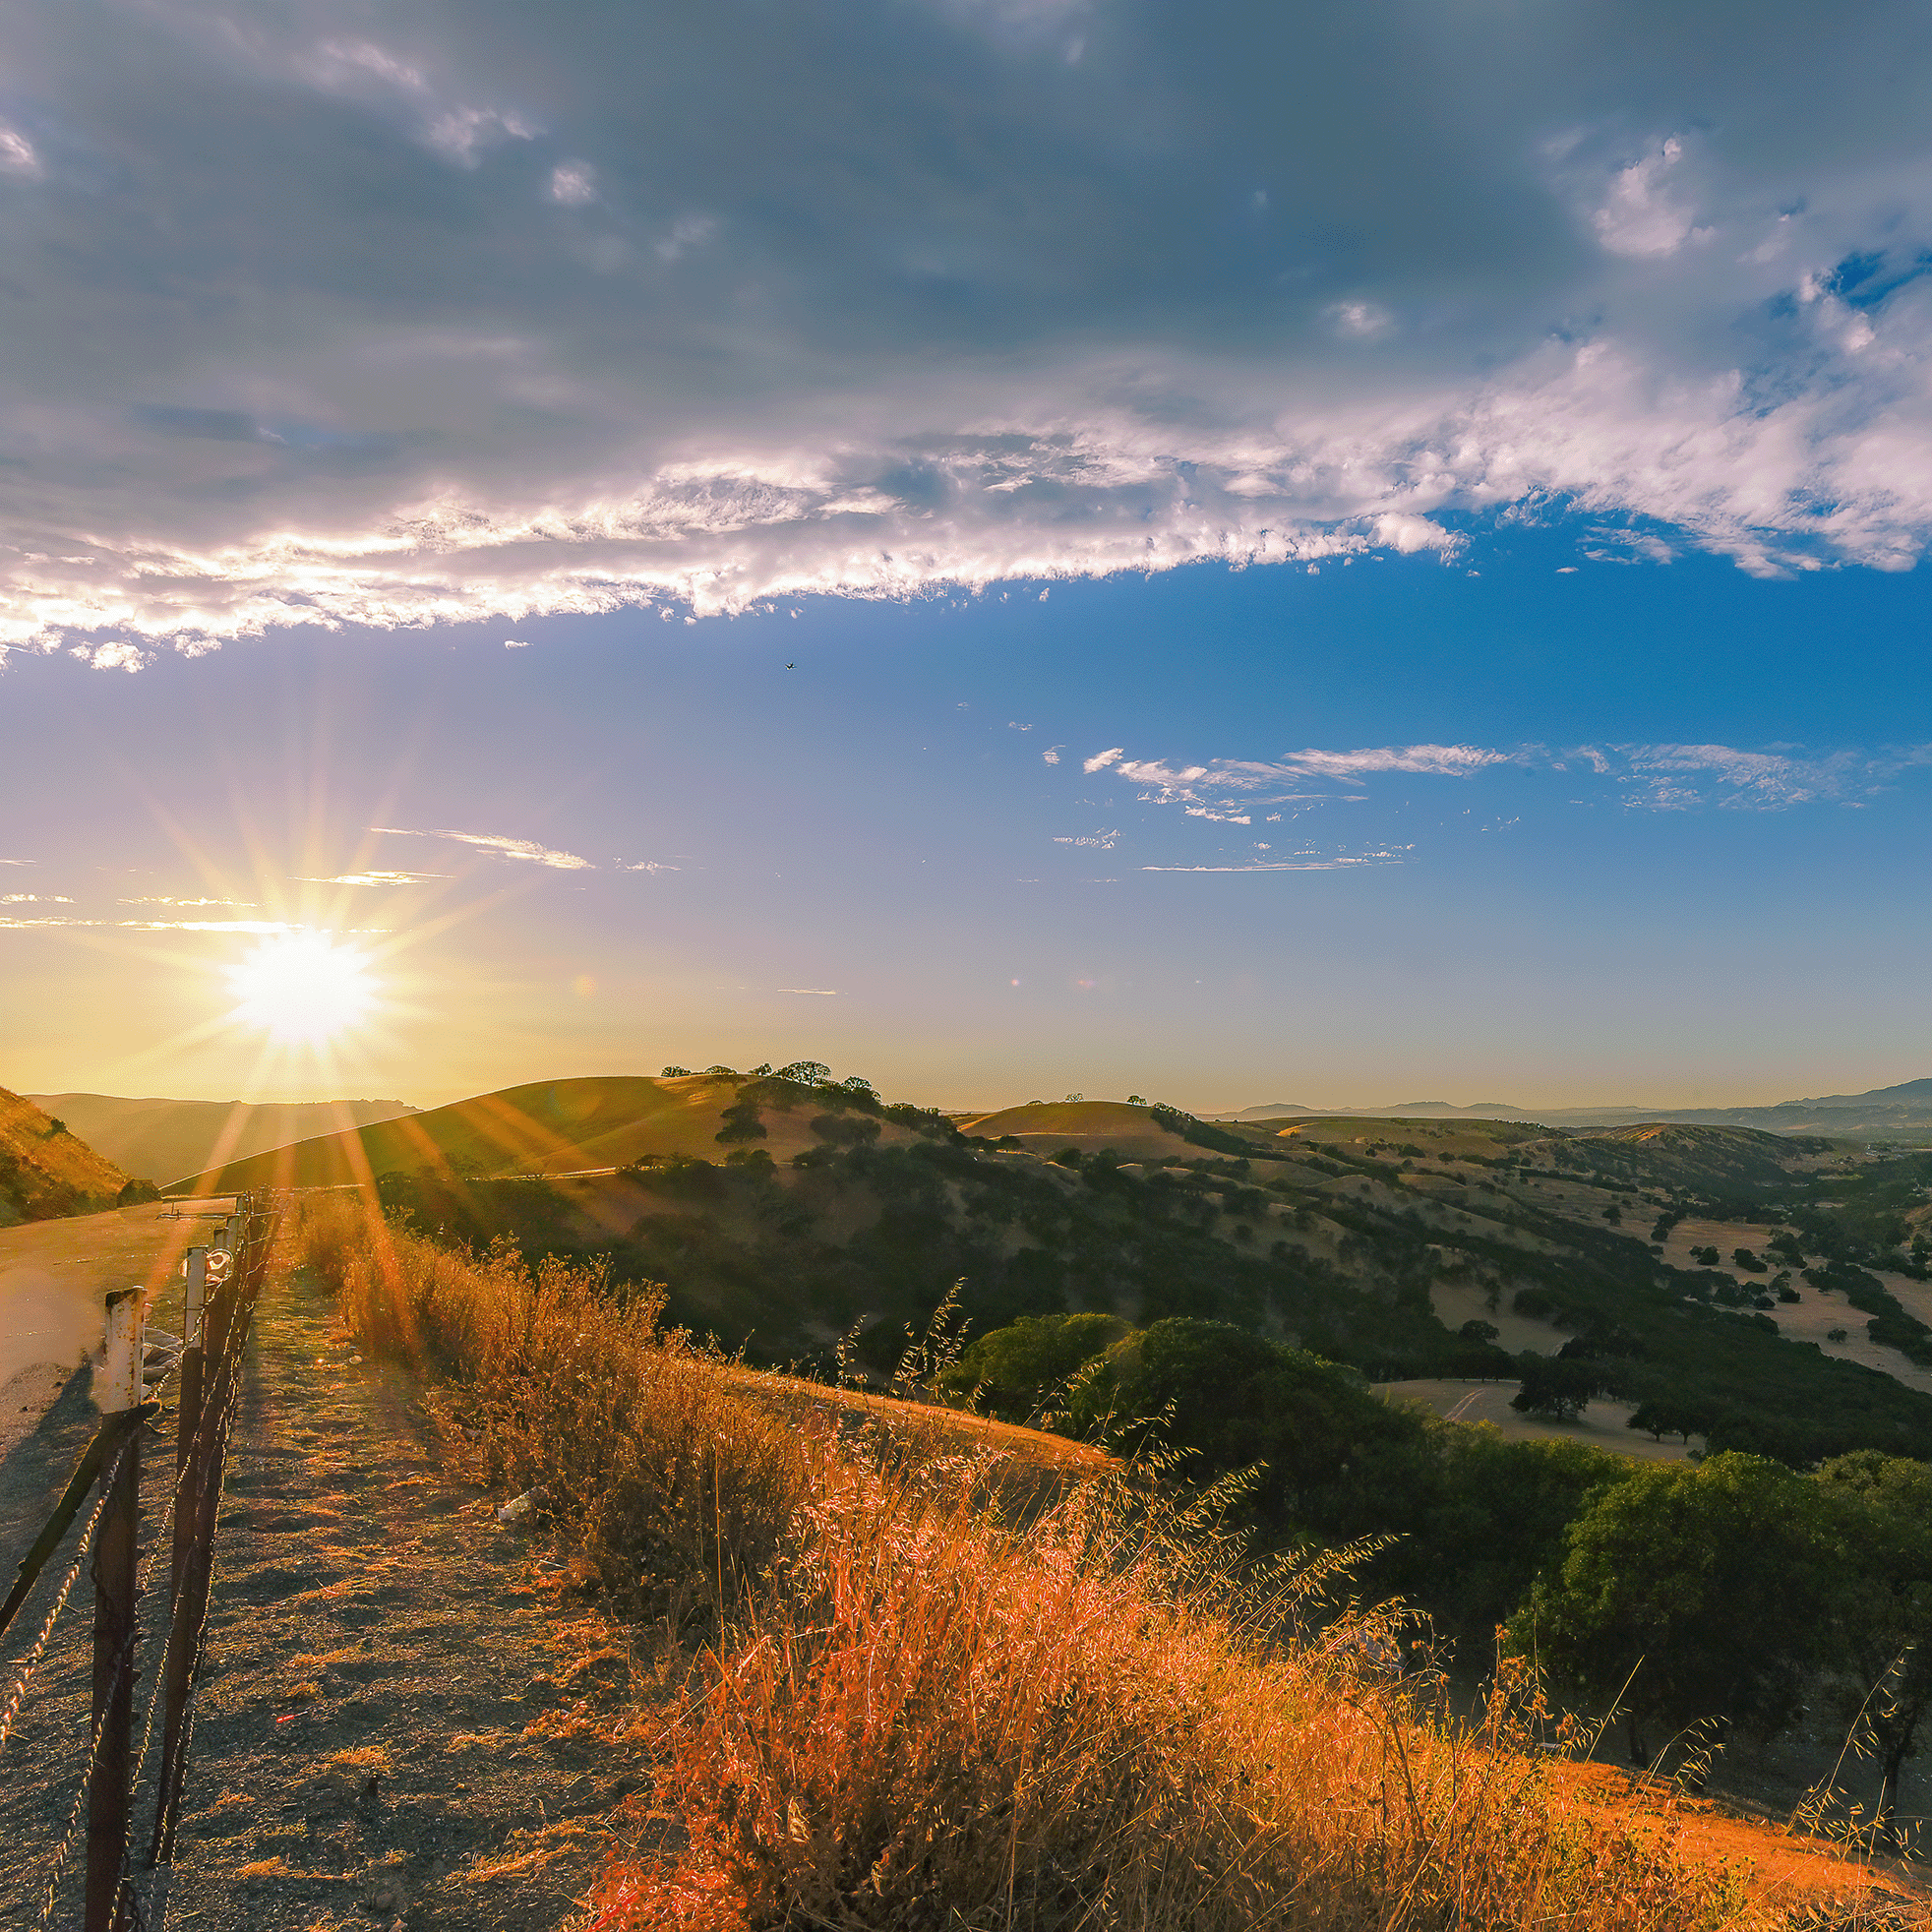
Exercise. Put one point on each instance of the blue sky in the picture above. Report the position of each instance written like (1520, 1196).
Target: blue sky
(1337, 558)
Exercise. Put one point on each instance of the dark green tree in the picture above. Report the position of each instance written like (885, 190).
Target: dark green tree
(1879, 1664)
(1556, 1387)
(1694, 1594)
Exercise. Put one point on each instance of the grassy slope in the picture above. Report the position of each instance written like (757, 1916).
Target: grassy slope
(163, 1139)
(551, 1126)
(1088, 1124)
(57, 1174)
(889, 1707)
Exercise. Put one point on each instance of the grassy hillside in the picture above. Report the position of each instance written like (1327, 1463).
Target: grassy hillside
(885, 1698)
(552, 1126)
(47, 1171)
(783, 1217)
(162, 1140)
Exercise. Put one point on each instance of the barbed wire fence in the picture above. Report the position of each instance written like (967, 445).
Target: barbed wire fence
(129, 1792)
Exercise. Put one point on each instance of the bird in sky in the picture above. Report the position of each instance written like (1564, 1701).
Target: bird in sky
(791, 667)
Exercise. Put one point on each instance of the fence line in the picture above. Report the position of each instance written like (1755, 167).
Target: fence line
(222, 1281)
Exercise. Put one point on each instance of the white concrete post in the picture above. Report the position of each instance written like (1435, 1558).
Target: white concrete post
(119, 1386)
(194, 1265)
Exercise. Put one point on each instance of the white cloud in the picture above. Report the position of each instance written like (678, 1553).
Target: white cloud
(378, 879)
(517, 643)
(1440, 761)
(507, 848)
(1641, 215)
(1360, 318)
(573, 183)
(32, 899)
(116, 655)
(244, 905)
(1051, 755)
(17, 153)
(1105, 841)
(818, 992)
(647, 866)
(1102, 760)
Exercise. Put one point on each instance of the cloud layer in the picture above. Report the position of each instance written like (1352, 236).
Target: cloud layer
(323, 313)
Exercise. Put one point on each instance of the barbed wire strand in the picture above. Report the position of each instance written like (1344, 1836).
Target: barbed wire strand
(38, 1649)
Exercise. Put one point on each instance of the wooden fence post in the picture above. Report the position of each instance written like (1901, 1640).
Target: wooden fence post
(114, 1557)
(190, 1460)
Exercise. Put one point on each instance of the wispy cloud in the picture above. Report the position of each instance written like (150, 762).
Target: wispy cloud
(376, 879)
(1659, 777)
(1680, 777)
(526, 849)
(32, 899)
(1347, 863)
(239, 904)
(817, 991)
(167, 924)
(1204, 790)
(647, 866)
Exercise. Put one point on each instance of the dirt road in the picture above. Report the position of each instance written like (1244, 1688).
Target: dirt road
(53, 1275)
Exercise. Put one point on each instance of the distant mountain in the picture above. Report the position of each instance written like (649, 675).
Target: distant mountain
(1273, 1111)
(45, 1170)
(1898, 1113)
(162, 1140)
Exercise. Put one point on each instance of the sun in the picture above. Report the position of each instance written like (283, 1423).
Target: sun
(302, 989)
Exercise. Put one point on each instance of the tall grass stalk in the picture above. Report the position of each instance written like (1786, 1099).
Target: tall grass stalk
(903, 1710)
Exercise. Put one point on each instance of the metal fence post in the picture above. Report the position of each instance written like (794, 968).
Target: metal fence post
(115, 1554)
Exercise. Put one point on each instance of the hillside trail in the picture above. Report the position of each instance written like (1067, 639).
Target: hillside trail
(400, 1718)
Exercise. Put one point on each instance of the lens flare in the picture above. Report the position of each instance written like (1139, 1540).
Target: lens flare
(302, 989)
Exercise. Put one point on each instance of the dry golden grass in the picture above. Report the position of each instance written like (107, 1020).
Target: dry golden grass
(890, 1703)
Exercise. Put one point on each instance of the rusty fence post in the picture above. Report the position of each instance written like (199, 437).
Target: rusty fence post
(109, 1800)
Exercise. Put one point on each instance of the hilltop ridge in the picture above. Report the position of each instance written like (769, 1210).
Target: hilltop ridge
(45, 1170)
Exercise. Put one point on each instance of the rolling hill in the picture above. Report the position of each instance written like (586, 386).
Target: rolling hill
(163, 1139)
(548, 1127)
(45, 1171)
(782, 1215)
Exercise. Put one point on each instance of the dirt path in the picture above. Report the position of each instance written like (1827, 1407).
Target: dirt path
(398, 1719)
